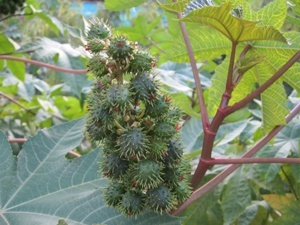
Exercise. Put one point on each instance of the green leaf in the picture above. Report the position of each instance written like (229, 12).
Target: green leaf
(115, 5)
(17, 68)
(45, 187)
(177, 6)
(206, 210)
(6, 45)
(192, 135)
(235, 29)
(268, 172)
(183, 102)
(236, 197)
(52, 22)
(230, 131)
(289, 138)
(256, 213)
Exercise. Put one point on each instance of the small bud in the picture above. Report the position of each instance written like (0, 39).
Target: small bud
(167, 99)
(165, 153)
(152, 96)
(177, 127)
(134, 184)
(87, 48)
(116, 108)
(153, 64)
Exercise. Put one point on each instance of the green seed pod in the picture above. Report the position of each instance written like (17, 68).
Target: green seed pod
(132, 203)
(98, 29)
(182, 191)
(144, 87)
(164, 129)
(158, 149)
(158, 107)
(174, 153)
(113, 194)
(120, 49)
(142, 61)
(97, 66)
(117, 97)
(160, 199)
(133, 143)
(113, 166)
(96, 45)
(147, 173)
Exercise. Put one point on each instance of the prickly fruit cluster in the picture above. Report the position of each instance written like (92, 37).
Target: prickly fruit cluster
(136, 125)
(10, 6)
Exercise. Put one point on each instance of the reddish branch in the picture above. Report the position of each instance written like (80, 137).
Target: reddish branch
(37, 63)
(251, 160)
(221, 176)
(203, 111)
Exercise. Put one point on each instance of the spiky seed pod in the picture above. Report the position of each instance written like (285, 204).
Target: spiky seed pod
(132, 203)
(136, 125)
(114, 193)
(97, 66)
(96, 45)
(158, 107)
(160, 199)
(98, 29)
(142, 61)
(147, 173)
(133, 143)
(182, 191)
(120, 48)
(164, 129)
(117, 97)
(158, 148)
(174, 175)
(113, 166)
(144, 87)
(174, 153)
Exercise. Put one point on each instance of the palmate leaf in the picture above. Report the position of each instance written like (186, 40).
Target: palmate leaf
(41, 186)
(115, 5)
(235, 29)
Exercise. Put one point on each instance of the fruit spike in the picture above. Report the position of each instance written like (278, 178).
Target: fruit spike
(136, 125)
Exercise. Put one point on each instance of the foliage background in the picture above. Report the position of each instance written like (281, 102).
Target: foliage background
(32, 98)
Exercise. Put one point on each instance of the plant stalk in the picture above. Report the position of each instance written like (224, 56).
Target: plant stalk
(264, 86)
(221, 176)
(37, 63)
(252, 160)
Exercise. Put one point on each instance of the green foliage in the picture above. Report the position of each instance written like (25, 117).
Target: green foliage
(135, 121)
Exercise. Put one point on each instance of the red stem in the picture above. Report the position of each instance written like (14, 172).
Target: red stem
(221, 176)
(203, 110)
(37, 63)
(251, 160)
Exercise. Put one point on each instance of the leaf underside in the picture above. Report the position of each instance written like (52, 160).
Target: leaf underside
(41, 186)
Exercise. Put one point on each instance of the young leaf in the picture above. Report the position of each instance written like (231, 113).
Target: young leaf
(44, 187)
